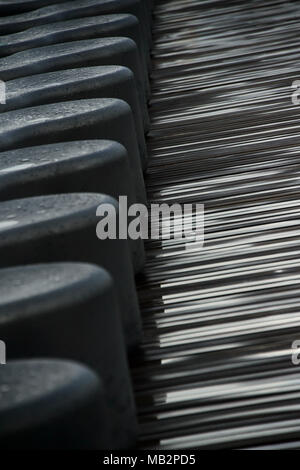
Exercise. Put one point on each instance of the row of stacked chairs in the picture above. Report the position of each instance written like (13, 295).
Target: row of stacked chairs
(72, 139)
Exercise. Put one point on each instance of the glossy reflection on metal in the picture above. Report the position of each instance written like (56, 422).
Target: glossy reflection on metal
(216, 369)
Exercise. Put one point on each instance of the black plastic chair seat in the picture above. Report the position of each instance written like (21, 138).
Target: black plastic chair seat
(52, 405)
(88, 82)
(80, 9)
(69, 10)
(77, 54)
(109, 119)
(12, 7)
(82, 166)
(62, 228)
(69, 310)
(75, 30)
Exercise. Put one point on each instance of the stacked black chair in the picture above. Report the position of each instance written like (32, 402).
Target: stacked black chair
(118, 25)
(72, 141)
(87, 82)
(52, 405)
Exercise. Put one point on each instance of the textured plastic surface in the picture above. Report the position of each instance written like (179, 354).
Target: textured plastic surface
(75, 120)
(52, 404)
(74, 30)
(87, 82)
(78, 9)
(63, 228)
(77, 54)
(69, 310)
(81, 166)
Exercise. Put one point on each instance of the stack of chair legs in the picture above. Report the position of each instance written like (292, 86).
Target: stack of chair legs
(72, 140)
